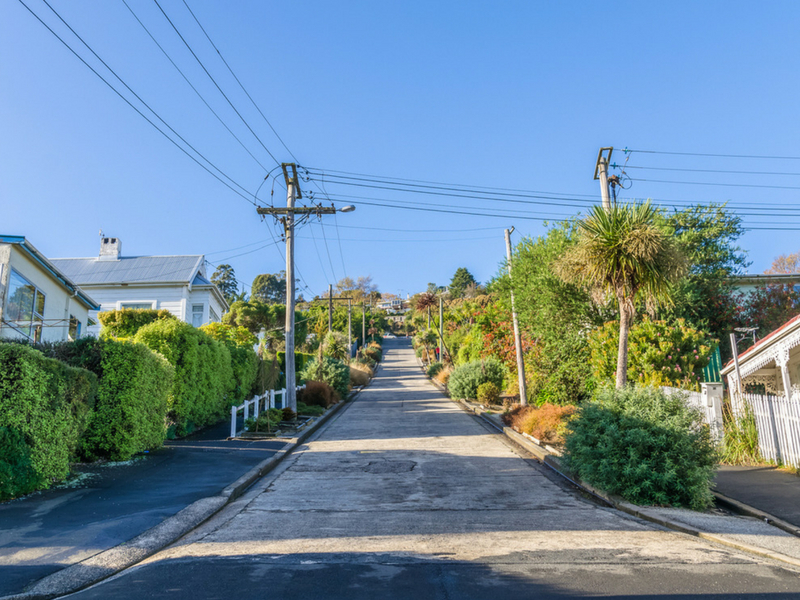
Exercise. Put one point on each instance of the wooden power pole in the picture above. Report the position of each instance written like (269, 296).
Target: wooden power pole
(523, 389)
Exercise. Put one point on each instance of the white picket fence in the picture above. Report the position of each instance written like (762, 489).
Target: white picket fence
(708, 402)
(778, 424)
(259, 404)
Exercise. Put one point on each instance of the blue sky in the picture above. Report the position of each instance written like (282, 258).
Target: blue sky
(513, 95)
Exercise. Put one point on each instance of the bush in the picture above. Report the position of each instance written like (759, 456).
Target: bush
(659, 353)
(126, 322)
(434, 368)
(333, 372)
(547, 423)
(288, 414)
(465, 379)
(488, 393)
(266, 421)
(301, 359)
(309, 411)
(244, 361)
(443, 376)
(373, 353)
(358, 377)
(47, 405)
(316, 393)
(17, 475)
(203, 387)
(644, 445)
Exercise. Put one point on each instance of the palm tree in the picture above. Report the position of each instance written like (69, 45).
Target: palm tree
(427, 300)
(625, 252)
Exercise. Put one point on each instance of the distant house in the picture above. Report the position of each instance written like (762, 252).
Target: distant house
(175, 283)
(38, 302)
(748, 283)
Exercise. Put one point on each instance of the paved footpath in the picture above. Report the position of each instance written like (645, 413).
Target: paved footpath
(404, 495)
(108, 504)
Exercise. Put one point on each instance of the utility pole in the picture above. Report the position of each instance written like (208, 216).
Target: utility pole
(601, 173)
(441, 328)
(363, 323)
(523, 391)
(288, 219)
(349, 328)
(330, 307)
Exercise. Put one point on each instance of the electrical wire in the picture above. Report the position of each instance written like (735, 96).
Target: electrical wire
(138, 111)
(729, 171)
(186, 79)
(706, 154)
(214, 81)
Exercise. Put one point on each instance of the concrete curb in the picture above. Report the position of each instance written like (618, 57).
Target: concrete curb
(751, 511)
(110, 562)
(552, 461)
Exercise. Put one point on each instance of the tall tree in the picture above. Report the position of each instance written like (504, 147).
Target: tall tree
(785, 264)
(625, 252)
(270, 288)
(706, 295)
(461, 279)
(224, 278)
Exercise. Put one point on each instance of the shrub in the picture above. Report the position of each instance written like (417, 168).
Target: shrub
(434, 368)
(131, 407)
(244, 361)
(740, 440)
(266, 421)
(488, 393)
(301, 359)
(309, 411)
(362, 365)
(443, 376)
(335, 345)
(47, 404)
(644, 445)
(126, 322)
(465, 379)
(289, 414)
(372, 352)
(333, 372)
(317, 393)
(547, 423)
(17, 475)
(659, 353)
(203, 386)
(358, 377)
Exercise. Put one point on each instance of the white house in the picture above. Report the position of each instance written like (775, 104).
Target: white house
(773, 362)
(175, 283)
(38, 301)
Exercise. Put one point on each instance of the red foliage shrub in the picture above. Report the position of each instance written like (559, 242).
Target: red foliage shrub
(546, 422)
(317, 393)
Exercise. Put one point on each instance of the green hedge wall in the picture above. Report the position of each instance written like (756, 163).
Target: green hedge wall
(46, 404)
(301, 359)
(204, 385)
(126, 322)
(131, 408)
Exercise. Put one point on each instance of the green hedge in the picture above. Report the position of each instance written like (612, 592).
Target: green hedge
(126, 322)
(465, 379)
(46, 404)
(301, 359)
(204, 385)
(644, 445)
(130, 413)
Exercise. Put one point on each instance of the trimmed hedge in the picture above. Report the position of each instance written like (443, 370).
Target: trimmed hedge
(46, 404)
(465, 379)
(130, 413)
(646, 446)
(203, 387)
(301, 359)
(126, 322)
(17, 475)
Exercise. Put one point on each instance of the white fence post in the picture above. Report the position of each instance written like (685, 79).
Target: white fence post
(712, 397)
(233, 421)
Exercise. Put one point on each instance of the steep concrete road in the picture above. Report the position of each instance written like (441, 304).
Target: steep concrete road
(406, 496)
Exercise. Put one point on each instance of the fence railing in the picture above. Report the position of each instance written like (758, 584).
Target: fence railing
(709, 402)
(269, 399)
(778, 424)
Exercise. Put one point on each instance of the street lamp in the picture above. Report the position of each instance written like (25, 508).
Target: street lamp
(348, 208)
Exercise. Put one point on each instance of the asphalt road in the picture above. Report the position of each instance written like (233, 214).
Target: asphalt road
(403, 495)
(109, 504)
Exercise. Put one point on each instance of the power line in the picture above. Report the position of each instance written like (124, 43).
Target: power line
(742, 185)
(707, 154)
(215, 82)
(263, 116)
(186, 79)
(129, 103)
(687, 170)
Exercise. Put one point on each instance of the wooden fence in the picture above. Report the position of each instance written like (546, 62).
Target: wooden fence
(778, 423)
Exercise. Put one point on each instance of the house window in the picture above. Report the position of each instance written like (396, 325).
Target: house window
(212, 315)
(197, 315)
(25, 309)
(74, 328)
(136, 305)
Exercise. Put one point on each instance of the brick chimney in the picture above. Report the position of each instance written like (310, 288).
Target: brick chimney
(110, 248)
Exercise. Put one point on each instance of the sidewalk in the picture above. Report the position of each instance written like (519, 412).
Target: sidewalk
(764, 488)
(105, 505)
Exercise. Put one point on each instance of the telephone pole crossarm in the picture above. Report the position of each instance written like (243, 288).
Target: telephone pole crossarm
(313, 210)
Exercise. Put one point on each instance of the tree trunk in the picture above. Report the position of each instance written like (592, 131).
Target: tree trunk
(625, 319)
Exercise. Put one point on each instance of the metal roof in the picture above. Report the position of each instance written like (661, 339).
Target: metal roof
(131, 269)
